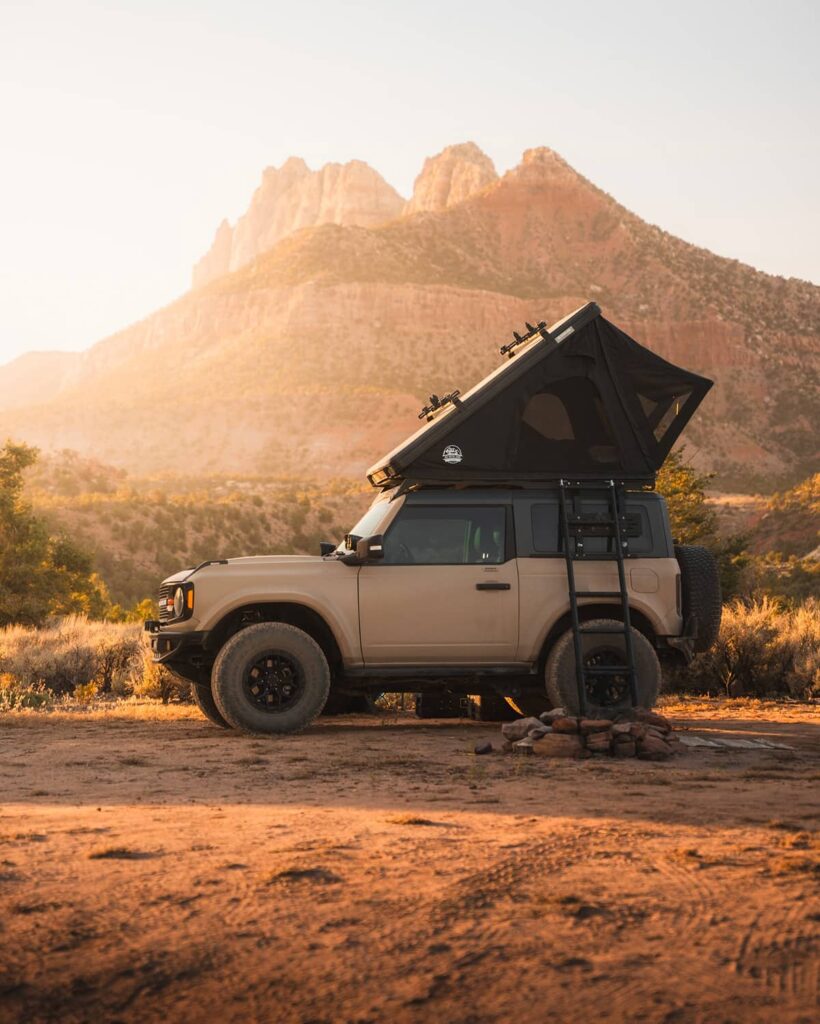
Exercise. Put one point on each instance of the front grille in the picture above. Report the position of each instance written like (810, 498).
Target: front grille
(166, 611)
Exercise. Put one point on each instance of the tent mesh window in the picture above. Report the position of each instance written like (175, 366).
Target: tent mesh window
(566, 423)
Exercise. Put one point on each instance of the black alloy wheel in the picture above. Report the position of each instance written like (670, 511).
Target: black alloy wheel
(608, 690)
(274, 682)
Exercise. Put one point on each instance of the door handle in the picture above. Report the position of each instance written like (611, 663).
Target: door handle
(492, 586)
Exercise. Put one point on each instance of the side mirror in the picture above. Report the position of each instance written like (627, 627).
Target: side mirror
(370, 548)
(326, 548)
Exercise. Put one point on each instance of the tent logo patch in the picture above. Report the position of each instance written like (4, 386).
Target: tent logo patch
(452, 455)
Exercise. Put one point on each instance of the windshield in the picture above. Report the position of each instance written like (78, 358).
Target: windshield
(369, 522)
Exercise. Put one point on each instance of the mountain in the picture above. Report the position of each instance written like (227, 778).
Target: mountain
(450, 177)
(314, 357)
(35, 377)
(293, 197)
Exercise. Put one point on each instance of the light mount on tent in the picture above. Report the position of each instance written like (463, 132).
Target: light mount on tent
(521, 339)
(437, 404)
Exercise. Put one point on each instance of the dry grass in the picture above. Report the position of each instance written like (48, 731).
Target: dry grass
(764, 649)
(77, 658)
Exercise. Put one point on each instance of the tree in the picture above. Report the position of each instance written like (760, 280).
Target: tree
(40, 574)
(694, 522)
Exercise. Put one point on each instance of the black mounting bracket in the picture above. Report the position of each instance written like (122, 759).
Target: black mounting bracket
(520, 339)
(436, 403)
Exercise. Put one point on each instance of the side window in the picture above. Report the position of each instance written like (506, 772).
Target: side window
(545, 528)
(433, 535)
(546, 537)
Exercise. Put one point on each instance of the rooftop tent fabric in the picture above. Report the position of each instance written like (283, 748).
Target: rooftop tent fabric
(580, 400)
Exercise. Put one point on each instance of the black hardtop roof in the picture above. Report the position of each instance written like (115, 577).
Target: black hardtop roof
(580, 399)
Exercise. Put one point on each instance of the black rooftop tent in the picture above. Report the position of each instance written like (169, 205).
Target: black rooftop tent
(579, 400)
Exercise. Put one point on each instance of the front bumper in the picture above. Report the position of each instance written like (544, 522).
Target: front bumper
(171, 646)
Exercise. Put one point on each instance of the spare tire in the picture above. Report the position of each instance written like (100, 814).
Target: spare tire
(606, 696)
(701, 598)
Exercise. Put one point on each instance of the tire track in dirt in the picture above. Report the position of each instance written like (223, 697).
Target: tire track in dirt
(778, 949)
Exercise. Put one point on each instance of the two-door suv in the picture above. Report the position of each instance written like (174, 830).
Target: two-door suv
(515, 550)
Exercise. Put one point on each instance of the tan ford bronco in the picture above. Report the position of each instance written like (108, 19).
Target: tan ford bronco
(515, 551)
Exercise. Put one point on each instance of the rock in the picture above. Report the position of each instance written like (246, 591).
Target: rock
(653, 748)
(560, 745)
(598, 742)
(540, 731)
(652, 718)
(548, 717)
(524, 746)
(292, 197)
(520, 728)
(590, 725)
(483, 748)
(565, 725)
(506, 747)
(621, 728)
(637, 731)
(450, 177)
(624, 747)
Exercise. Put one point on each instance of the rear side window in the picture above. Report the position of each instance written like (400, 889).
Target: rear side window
(546, 537)
(432, 535)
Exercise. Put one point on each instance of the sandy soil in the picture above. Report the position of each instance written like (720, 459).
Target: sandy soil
(376, 870)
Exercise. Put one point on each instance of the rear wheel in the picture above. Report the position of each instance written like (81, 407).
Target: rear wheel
(270, 678)
(606, 695)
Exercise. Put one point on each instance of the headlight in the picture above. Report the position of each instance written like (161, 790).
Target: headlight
(179, 602)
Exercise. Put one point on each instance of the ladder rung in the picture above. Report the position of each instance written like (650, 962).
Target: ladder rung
(585, 485)
(600, 593)
(597, 558)
(601, 630)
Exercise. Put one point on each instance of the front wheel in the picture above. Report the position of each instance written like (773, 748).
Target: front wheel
(270, 678)
(607, 695)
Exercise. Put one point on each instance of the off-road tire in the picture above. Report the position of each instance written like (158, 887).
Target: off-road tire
(700, 591)
(562, 689)
(203, 697)
(235, 661)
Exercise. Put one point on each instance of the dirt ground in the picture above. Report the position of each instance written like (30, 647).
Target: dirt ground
(375, 870)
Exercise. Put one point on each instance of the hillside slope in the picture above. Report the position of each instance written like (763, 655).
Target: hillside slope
(314, 358)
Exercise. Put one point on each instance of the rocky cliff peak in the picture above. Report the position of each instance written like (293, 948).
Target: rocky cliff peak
(291, 197)
(450, 177)
(543, 165)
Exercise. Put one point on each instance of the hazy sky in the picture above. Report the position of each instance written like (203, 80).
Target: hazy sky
(131, 127)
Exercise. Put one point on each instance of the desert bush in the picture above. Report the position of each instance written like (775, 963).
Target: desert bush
(765, 648)
(13, 696)
(78, 657)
